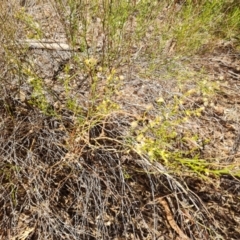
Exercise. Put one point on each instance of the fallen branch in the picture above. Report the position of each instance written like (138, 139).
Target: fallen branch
(47, 44)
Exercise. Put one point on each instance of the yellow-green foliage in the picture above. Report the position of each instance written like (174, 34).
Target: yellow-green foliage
(38, 97)
(160, 138)
(31, 27)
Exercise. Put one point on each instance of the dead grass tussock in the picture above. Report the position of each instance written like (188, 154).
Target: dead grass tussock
(51, 189)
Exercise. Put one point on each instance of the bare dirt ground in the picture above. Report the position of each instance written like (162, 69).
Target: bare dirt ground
(81, 193)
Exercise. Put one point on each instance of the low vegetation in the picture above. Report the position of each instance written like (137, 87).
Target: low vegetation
(119, 119)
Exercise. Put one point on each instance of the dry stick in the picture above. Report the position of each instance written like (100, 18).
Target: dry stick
(171, 220)
(47, 44)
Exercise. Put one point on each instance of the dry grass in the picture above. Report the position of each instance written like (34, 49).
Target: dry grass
(125, 135)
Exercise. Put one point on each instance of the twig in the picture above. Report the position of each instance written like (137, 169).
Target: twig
(171, 220)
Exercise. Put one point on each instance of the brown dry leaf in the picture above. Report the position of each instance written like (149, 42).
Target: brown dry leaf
(219, 110)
